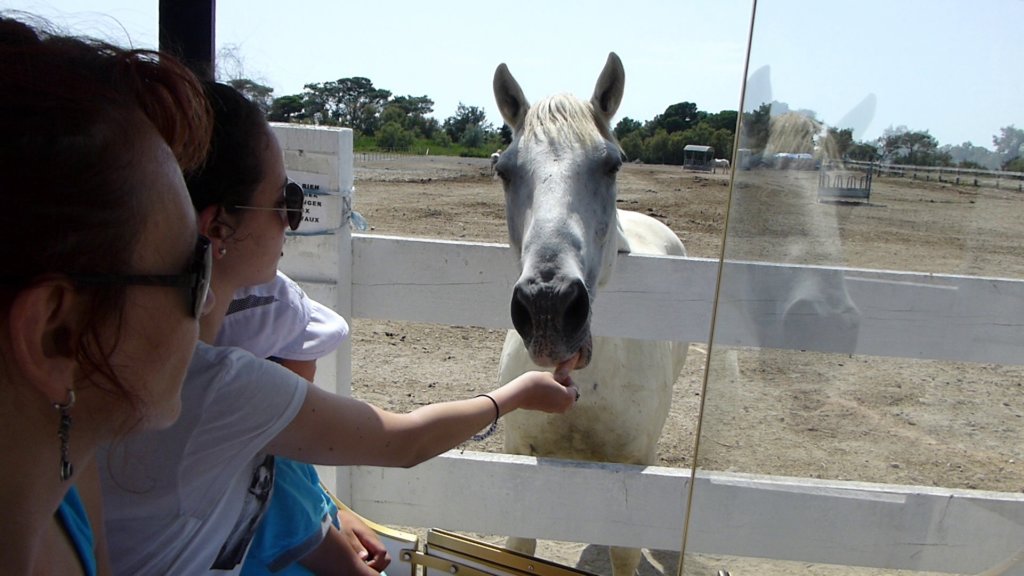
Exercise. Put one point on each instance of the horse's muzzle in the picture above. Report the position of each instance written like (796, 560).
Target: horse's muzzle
(553, 319)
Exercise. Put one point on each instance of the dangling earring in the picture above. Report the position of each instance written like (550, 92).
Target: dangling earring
(222, 251)
(63, 433)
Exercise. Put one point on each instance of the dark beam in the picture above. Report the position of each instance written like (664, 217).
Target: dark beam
(187, 30)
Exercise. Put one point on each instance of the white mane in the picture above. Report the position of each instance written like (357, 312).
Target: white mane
(565, 118)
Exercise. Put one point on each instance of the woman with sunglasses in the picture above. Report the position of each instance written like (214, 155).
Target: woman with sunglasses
(187, 499)
(98, 248)
(238, 202)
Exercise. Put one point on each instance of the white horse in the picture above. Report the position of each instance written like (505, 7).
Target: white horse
(494, 161)
(559, 179)
(721, 162)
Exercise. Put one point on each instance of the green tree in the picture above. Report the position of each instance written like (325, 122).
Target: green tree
(290, 108)
(1009, 145)
(465, 116)
(722, 140)
(625, 127)
(863, 152)
(441, 138)
(633, 145)
(724, 120)
(318, 105)
(392, 136)
(505, 135)
(903, 146)
(473, 136)
(967, 155)
(413, 111)
(431, 127)
(837, 142)
(259, 94)
(352, 102)
(657, 148)
(394, 114)
(678, 117)
(413, 106)
(1015, 165)
(755, 128)
(674, 152)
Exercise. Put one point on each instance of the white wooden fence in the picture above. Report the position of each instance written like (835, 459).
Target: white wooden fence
(848, 523)
(950, 174)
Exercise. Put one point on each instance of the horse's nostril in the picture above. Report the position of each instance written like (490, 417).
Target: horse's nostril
(521, 317)
(577, 309)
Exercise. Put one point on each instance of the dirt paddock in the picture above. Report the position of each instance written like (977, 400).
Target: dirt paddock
(786, 413)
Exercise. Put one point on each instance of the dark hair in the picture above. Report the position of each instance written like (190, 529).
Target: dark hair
(72, 113)
(233, 170)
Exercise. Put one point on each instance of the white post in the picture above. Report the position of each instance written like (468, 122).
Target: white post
(319, 254)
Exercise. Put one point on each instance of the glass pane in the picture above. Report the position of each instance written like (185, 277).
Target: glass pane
(862, 409)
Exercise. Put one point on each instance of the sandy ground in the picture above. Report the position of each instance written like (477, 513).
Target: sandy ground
(771, 412)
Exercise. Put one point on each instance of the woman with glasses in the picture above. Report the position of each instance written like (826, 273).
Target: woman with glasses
(103, 278)
(188, 499)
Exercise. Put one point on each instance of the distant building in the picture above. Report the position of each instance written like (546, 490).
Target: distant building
(697, 157)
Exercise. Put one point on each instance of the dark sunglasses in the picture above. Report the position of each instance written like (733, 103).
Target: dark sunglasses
(293, 199)
(196, 279)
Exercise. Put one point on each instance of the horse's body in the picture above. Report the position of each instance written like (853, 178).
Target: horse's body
(559, 179)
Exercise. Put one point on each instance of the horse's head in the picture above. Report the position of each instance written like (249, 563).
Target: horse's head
(559, 179)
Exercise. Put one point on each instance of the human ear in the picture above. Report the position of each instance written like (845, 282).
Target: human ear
(44, 328)
(210, 225)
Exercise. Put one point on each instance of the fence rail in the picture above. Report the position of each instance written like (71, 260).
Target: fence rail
(888, 526)
(948, 174)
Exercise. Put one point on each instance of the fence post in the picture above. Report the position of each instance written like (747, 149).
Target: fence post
(319, 255)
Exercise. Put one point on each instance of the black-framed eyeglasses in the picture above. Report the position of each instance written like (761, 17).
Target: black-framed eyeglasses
(293, 200)
(196, 279)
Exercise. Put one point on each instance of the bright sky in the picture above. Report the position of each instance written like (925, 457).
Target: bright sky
(947, 66)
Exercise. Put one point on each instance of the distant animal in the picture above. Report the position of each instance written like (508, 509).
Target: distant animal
(559, 176)
(494, 160)
(721, 162)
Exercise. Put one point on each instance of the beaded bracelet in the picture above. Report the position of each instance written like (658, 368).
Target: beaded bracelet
(494, 425)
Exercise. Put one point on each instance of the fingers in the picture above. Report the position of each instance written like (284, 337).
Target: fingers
(561, 375)
(573, 392)
(379, 561)
(378, 557)
(566, 366)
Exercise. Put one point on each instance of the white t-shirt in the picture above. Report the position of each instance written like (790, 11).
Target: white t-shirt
(278, 319)
(183, 500)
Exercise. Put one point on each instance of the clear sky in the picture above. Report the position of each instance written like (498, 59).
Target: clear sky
(947, 66)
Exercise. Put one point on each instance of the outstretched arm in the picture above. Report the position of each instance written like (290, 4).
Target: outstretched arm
(342, 431)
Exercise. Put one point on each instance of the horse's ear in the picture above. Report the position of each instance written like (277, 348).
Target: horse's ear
(509, 97)
(610, 85)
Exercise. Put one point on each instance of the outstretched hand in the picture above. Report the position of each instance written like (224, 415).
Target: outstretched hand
(546, 392)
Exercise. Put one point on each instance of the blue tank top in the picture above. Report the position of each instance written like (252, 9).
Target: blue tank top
(72, 517)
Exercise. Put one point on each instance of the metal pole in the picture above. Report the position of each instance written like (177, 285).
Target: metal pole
(187, 30)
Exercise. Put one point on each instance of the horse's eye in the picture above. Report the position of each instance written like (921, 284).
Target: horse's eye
(613, 168)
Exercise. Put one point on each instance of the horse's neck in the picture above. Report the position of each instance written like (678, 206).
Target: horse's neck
(623, 241)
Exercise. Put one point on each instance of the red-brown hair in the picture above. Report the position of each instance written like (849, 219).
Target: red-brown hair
(72, 112)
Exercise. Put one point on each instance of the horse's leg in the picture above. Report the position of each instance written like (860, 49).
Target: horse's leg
(522, 545)
(624, 560)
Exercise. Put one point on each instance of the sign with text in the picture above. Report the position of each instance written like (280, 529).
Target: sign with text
(324, 210)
